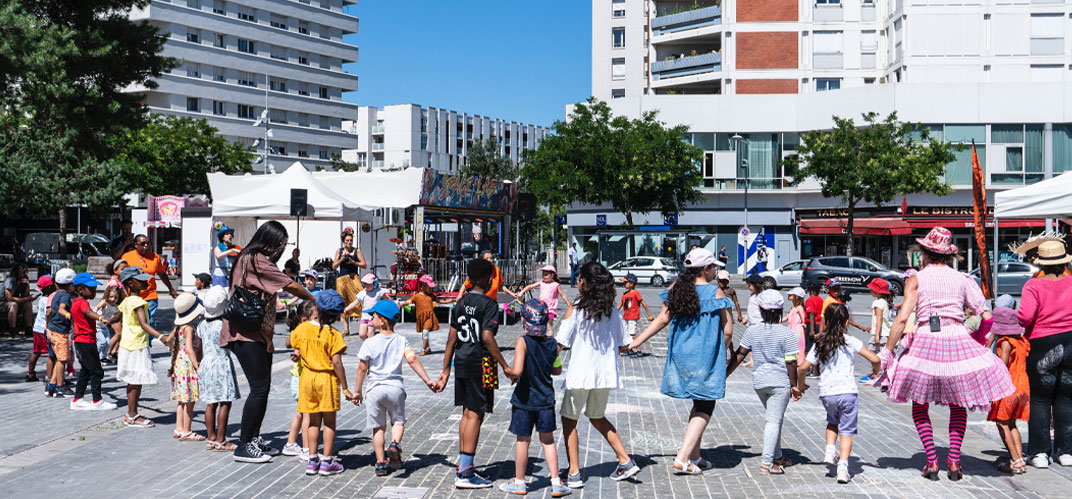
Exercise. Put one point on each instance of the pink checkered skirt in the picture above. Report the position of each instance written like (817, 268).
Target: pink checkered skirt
(949, 368)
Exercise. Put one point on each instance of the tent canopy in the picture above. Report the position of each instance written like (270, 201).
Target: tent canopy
(268, 196)
(371, 190)
(1051, 198)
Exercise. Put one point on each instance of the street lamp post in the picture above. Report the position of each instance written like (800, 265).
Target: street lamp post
(743, 163)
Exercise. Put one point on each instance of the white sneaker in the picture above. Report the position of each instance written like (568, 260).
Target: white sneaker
(81, 405)
(1040, 460)
(101, 405)
(291, 449)
(831, 457)
(843, 473)
(304, 455)
(1065, 459)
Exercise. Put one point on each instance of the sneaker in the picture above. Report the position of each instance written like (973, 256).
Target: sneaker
(560, 490)
(830, 457)
(471, 480)
(80, 405)
(843, 473)
(56, 393)
(304, 455)
(313, 466)
(1064, 459)
(573, 480)
(625, 471)
(264, 447)
(101, 405)
(382, 469)
(866, 379)
(292, 449)
(329, 467)
(1040, 460)
(513, 487)
(394, 456)
(31, 377)
(250, 453)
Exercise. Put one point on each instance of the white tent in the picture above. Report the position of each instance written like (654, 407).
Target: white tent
(371, 190)
(1051, 198)
(268, 196)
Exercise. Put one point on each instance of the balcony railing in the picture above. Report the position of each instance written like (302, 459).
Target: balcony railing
(681, 21)
(377, 129)
(377, 164)
(688, 65)
(377, 146)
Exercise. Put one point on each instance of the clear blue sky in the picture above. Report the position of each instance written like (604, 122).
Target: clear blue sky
(520, 61)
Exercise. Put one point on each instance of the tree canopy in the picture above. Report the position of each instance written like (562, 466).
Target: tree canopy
(485, 160)
(873, 162)
(635, 165)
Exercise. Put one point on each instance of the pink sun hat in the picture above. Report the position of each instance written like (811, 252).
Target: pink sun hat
(938, 240)
(548, 268)
(427, 279)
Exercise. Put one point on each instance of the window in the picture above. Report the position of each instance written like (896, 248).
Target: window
(822, 84)
(221, 41)
(617, 68)
(246, 112)
(277, 52)
(303, 119)
(217, 108)
(302, 153)
(193, 104)
(219, 74)
(617, 93)
(247, 46)
(827, 42)
(280, 150)
(278, 22)
(325, 62)
(219, 7)
(247, 14)
(324, 92)
(303, 58)
(277, 85)
(325, 32)
(247, 79)
(194, 4)
(869, 81)
(277, 116)
(827, 2)
(193, 35)
(324, 154)
(617, 36)
(869, 41)
(303, 89)
(617, 11)
(303, 27)
(1047, 34)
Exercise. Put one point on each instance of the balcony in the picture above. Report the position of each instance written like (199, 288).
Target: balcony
(687, 66)
(378, 129)
(688, 20)
(377, 146)
(376, 164)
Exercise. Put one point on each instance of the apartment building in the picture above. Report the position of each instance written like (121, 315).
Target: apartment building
(242, 58)
(405, 135)
(993, 71)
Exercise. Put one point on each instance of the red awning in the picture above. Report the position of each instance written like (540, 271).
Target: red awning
(861, 226)
(955, 223)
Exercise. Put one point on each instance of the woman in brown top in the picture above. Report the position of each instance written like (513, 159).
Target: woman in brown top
(255, 269)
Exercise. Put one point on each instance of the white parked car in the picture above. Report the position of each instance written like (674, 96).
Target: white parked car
(786, 276)
(653, 270)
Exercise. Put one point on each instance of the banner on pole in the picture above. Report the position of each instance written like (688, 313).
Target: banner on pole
(979, 212)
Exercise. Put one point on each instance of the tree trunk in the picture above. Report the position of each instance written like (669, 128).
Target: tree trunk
(629, 219)
(63, 232)
(849, 226)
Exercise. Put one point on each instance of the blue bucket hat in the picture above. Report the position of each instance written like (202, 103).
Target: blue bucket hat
(86, 279)
(330, 301)
(536, 316)
(386, 308)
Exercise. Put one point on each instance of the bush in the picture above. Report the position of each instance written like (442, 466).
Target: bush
(80, 267)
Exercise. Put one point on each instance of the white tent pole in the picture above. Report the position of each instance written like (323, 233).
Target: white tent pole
(997, 250)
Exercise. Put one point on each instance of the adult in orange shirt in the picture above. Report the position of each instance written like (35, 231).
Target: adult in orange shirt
(152, 264)
(496, 279)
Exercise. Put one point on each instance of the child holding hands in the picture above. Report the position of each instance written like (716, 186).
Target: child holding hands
(184, 365)
(381, 365)
(135, 365)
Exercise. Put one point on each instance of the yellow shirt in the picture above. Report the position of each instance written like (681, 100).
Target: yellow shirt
(827, 302)
(317, 345)
(134, 337)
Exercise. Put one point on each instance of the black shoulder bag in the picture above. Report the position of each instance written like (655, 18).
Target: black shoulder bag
(245, 310)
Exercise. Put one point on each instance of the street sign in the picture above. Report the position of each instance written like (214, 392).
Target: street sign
(745, 232)
(670, 219)
(601, 220)
(560, 219)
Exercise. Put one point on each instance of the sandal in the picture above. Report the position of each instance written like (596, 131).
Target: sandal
(133, 422)
(192, 437)
(1016, 467)
(225, 447)
(210, 445)
(688, 468)
(176, 434)
(773, 469)
(426, 351)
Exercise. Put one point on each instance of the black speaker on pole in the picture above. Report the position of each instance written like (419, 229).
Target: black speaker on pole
(526, 206)
(299, 202)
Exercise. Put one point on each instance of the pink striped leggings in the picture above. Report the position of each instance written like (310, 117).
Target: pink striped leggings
(958, 420)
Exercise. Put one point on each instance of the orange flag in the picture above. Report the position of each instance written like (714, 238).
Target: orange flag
(979, 210)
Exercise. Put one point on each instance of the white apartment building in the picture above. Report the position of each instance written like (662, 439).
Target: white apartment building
(405, 135)
(241, 57)
(993, 71)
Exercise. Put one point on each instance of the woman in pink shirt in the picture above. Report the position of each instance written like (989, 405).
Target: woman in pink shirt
(1046, 315)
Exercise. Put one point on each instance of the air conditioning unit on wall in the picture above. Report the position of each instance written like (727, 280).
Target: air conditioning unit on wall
(390, 216)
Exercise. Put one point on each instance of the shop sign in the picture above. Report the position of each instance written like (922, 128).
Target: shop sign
(469, 193)
(601, 220)
(670, 219)
(945, 211)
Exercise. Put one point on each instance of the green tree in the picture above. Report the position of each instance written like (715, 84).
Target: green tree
(340, 165)
(636, 166)
(173, 155)
(872, 163)
(485, 160)
(63, 68)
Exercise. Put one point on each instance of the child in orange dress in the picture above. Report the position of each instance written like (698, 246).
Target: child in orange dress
(425, 301)
(1013, 348)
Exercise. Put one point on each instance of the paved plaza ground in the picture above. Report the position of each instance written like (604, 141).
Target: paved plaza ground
(48, 451)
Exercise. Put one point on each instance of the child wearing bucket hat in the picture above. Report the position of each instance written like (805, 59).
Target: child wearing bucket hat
(1013, 348)
(550, 292)
(184, 346)
(216, 373)
(379, 384)
(366, 299)
(881, 321)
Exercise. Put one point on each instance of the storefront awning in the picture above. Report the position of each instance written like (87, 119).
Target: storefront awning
(861, 226)
(957, 223)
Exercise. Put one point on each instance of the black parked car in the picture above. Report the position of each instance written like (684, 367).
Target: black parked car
(854, 272)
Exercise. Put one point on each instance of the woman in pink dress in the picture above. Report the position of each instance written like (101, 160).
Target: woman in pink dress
(796, 316)
(945, 364)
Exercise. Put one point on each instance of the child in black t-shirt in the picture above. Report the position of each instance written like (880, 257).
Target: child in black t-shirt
(471, 345)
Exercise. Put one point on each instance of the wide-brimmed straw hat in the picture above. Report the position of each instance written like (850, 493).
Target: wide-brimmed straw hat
(938, 240)
(1052, 253)
(1033, 242)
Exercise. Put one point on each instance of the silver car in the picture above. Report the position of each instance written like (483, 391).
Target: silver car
(653, 270)
(1011, 276)
(786, 276)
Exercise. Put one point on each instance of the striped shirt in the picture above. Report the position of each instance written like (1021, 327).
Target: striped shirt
(770, 344)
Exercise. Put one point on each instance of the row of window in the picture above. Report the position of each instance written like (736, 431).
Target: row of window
(243, 111)
(286, 149)
(247, 46)
(250, 14)
(225, 75)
